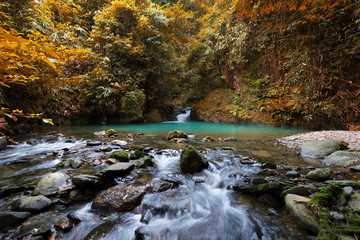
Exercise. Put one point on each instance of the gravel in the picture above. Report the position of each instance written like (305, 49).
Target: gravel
(296, 141)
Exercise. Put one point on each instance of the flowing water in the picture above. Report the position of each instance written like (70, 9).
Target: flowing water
(202, 207)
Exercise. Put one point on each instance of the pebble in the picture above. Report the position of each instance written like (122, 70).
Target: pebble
(348, 189)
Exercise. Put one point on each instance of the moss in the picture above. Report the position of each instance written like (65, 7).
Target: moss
(61, 164)
(326, 231)
(137, 147)
(143, 162)
(348, 230)
(122, 156)
(353, 219)
(111, 132)
(320, 198)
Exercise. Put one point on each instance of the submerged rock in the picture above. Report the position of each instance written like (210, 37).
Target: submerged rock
(100, 231)
(3, 142)
(191, 160)
(31, 204)
(120, 198)
(319, 174)
(342, 158)
(9, 218)
(176, 134)
(51, 183)
(297, 206)
(64, 225)
(118, 169)
(321, 149)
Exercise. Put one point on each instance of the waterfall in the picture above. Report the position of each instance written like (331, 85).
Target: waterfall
(184, 116)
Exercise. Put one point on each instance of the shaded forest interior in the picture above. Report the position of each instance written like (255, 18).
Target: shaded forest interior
(101, 61)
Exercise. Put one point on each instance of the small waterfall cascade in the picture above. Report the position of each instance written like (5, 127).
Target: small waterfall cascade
(184, 115)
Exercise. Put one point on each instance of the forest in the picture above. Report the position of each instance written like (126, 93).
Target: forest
(283, 63)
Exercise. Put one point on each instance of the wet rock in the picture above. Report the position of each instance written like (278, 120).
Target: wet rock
(105, 149)
(268, 165)
(93, 143)
(298, 190)
(88, 182)
(80, 195)
(146, 217)
(304, 217)
(344, 183)
(269, 200)
(266, 172)
(292, 168)
(143, 162)
(9, 218)
(119, 142)
(191, 160)
(118, 169)
(111, 161)
(230, 139)
(157, 185)
(101, 231)
(31, 204)
(3, 142)
(258, 180)
(75, 163)
(122, 156)
(208, 139)
(120, 198)
(342, 158)
(176, 134)
(321, 149)
(74, 218)
(354, 202)
(111, 132)
(355, 168)
(274, 188)
(174, 180)
(319, 174)
(338, 216)
(51, 183)
(64, 225)
(292, 174)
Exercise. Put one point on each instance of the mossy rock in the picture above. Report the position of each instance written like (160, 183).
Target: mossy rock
(122, 156)
(298, 190)
(326, 195)
(266, 172)
(319, 174)
(137, 147)
(326, 231)
(143, 162)
(176, 134)
(111, 132)
(61, 164)
(191, 160)
(273, 188)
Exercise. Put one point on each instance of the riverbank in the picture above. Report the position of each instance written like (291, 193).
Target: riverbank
(297, 140)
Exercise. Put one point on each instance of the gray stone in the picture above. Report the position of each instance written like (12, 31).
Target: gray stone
(344, 183)
(120, 198)
(9, 218)
(31, 204)
(64, 225)
(319, 174)
(338, 216)
(342, 158)
(321, 149)
(75, 163)
(348, 189)
(119, 142)
(100, 133)
(3, 142)
(304, 217)
(51, 183)
(93, 143)
(88, 181)
(118, 169)
(292, 174)
(191, 160)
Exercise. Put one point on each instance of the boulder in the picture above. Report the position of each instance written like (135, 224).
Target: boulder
(100, 231)
(31, 204)
(111, 132)
(120, 198)
(354, 202)
(319, 174)
(342, 158)
(298, 190)
(51, 183)
(122, 156)
(118, 169)
(3, 142)
(321, 149)
(88, 181)
(9, 218)
(158, 185)
(64, 225)
(297, 206)
(176, 134)
(191, 160)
